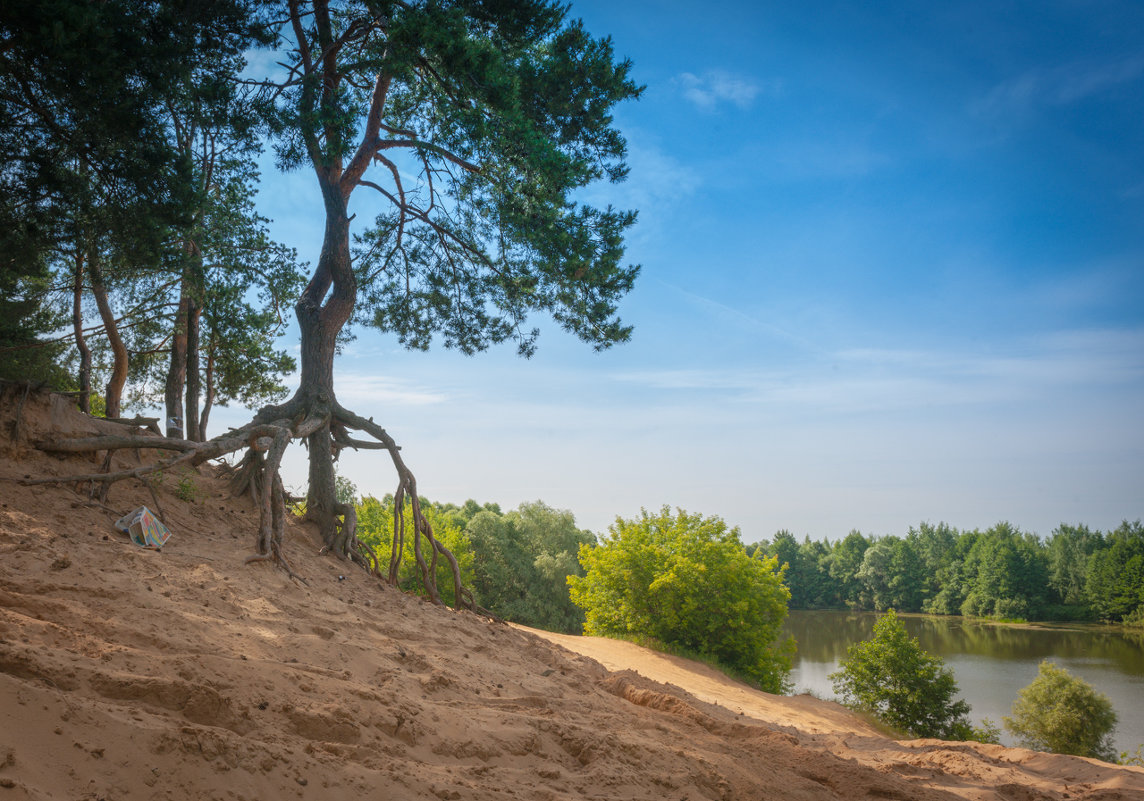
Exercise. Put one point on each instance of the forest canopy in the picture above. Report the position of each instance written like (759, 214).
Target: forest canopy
(1073, 574)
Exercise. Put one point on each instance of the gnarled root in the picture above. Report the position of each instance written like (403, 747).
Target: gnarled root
(422, 530)
(258, 473)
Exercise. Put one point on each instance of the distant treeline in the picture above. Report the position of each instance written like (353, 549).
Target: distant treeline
(1076, 574)
(517, 563)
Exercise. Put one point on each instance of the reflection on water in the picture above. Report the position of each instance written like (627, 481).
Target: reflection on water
(991, 662)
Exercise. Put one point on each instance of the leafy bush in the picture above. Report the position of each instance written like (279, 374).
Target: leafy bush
(187, 488)
(521, 564)
(891, 677)
(1062, 713)
(686, 581)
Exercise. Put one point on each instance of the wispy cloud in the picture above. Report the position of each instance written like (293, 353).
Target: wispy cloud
(656, 178)
(362, 389)
(740, 319)
(715, 87)
(1056, 86)
(877, 380)
(657, 184)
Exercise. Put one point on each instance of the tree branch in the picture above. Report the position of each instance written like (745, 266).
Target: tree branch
(361, 159)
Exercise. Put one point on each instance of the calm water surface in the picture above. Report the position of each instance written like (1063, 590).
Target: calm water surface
(991, 662)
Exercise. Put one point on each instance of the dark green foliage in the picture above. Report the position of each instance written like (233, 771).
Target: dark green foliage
(375, 528)
(804, 568)
(1069, 550)
(495, 114)
(522, 561)
(1115, 586)
(25, 353)
(891, 677)
(1005, 575)
(844, 563)
(1001, 572)
(82, 83)
(126, 145)
(943, 552)
(892, 575)
(85, 89)
(1062, 713)
(686, 581)
(517, 563)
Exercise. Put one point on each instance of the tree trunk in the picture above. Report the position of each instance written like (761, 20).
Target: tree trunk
(80, 341)
(320, 323)
(194, 380)
(119, 351)
(208, 399)
(176, 375)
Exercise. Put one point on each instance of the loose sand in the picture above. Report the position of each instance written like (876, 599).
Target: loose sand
(183, 674)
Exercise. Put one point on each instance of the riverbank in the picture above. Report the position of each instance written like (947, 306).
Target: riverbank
(990, 661)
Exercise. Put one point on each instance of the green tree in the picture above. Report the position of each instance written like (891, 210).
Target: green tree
(817, 588)
(1115, 587)
(1062, 713)
(1006, 575)
(522, 561)
(907, 587)
(804, 568)
(472, 124)
(875, 575)
(375, 527)
(475, 126)
(25, 315)
(937, 545)
(686, 581)
(845, 562)
(784, 548)
(893, 678)
(92, 180)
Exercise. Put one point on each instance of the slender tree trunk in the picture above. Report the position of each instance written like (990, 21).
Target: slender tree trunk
(194, 380)
(176, 374)
(208, 398)
(80, 340)
(118, 349)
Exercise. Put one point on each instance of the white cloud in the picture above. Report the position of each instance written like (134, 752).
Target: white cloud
(861, 381)
(1056, 86)
(362, 389)
(656, 178)
(715, 87)
(656, 185)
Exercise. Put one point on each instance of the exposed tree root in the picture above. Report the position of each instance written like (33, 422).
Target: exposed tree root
(265, 440)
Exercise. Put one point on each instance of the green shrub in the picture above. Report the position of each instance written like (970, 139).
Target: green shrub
(687, 581)
(891, 677)
(187, 488)
(1062, 713)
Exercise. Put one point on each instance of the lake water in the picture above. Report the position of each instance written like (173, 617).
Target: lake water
(991, 662)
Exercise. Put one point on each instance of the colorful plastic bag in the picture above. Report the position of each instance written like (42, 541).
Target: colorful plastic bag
(145, 530)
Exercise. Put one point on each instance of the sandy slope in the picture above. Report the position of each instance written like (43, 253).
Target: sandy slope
(183, 674)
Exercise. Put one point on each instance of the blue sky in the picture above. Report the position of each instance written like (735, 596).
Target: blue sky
(893, 271)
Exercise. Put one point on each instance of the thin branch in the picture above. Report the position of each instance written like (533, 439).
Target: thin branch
(419, 144)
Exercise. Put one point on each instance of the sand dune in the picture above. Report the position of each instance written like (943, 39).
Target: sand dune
(183, 674)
